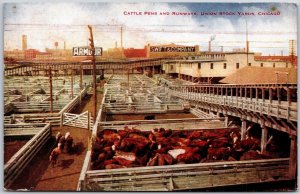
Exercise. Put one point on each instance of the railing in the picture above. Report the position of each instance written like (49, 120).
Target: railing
(31, 66)
(201, 114)
(20, 160)
(276, 109)
(98, 118)
(53, 118)
(124, 109)
(74, 102)
(181, 124)
(187, 176)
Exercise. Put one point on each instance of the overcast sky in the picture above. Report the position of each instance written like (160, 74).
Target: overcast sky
(46, 23)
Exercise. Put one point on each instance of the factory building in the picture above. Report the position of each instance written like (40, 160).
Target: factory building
(212, 67)
(14, 54)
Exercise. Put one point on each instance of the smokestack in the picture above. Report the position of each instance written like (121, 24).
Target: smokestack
(56, 44)
(116, 44)
(24, 42)
(212, 38)
(64, 45)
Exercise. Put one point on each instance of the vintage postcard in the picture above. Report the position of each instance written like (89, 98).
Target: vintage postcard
(150, 96)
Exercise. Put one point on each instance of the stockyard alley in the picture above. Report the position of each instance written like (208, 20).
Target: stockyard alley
(39, 175)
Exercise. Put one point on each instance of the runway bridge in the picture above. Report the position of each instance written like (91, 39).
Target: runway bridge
(272, 105)
(65, 67)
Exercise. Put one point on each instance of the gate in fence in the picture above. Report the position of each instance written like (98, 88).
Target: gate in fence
(83, 120)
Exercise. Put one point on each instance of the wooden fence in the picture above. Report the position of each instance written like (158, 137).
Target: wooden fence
(179, 177)
(181, 124)
(186, 177)
(54, 119)
(83, 120)
(74, 102)
(17, 163)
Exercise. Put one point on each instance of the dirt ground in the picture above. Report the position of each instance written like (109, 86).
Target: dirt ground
(11, 147)
(39, 175)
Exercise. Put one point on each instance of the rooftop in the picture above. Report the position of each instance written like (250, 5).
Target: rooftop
(262, 75)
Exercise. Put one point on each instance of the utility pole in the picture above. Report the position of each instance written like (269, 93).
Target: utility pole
(122, 42)
(121, 37)
(72, 88)
(247, 44)
(94, 71)
(292, 45)
(50, 82)
(81, 75)
(80, 85)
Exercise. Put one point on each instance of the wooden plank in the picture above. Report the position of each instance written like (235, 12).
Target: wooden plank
(19, 160)
(192, 177)
(82, 177)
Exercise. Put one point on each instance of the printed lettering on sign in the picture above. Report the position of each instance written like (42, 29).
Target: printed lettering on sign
(86, 51)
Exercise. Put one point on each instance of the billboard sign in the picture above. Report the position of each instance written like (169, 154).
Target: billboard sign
(86, 51)
(175, 49)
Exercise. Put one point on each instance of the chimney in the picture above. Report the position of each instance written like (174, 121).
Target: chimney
(24, 42)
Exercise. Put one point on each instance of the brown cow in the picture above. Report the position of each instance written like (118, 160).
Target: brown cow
(195, 135)
(57, 138)
(218, 153)
(199, 143)
(219, 142)
(124, 158)
(69, 142)
(251, 155)
(113, 166)
(54, 155)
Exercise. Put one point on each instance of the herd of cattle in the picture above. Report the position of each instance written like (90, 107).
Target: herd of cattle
(135, 148)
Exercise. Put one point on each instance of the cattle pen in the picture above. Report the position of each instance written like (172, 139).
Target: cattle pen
(28, 116)
(143, 104)
(39, 133)
(123, 96)
(181, 176)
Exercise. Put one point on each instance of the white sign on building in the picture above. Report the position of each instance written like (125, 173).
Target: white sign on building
(86, 51)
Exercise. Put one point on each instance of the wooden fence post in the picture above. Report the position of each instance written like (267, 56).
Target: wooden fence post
(61, 119)
(293, 158)
(88, 121)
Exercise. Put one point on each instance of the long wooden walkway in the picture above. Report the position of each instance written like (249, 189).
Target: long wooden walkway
(256, 103)
(34, 68)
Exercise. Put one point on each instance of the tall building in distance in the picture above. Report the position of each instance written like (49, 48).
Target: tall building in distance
(24, 42)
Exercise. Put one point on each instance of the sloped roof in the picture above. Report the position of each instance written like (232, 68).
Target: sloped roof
(135, 53)
(262, 75)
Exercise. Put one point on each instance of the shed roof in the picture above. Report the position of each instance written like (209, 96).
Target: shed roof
(262, 75)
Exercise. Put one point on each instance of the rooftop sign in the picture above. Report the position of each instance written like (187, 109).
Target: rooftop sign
(86, 51)
(157, 49)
